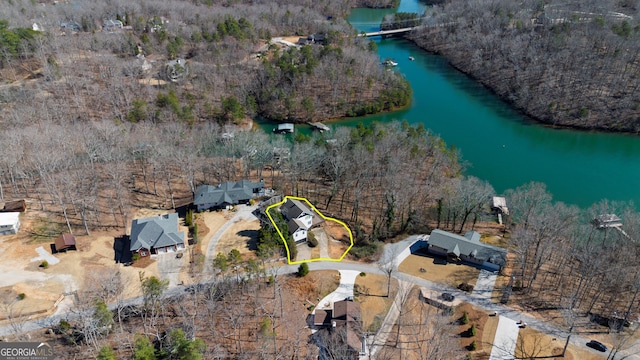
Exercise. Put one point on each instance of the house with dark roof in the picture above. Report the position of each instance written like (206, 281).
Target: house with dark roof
(467, 249)
(156, 235)
(227, 194)
(299, 218)
(343, 321)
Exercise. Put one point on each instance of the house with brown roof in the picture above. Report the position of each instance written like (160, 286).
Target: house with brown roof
(65, 242)
(343, 323)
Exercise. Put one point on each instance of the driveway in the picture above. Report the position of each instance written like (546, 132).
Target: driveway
(169, 266)
(323, 242)
(243, 212)
(485, 283)
(504, 342)
(344, 290)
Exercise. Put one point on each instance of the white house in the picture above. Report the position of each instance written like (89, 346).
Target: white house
(299, 219)
(9, 223)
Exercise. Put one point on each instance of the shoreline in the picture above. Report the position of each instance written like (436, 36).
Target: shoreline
(532, 118)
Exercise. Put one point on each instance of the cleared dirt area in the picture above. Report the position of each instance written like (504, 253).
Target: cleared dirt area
(214, 221)
(477, 318)
(371, 291)
(421, 328)
(439, 270)
(338, 237)
(532, 343)
(49, 290)
(242, 236)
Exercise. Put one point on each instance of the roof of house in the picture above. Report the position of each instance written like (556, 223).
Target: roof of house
(230, 192)
(346, 314)
(9, 218)
(469, 245)
(294, 208)
(295, 225)
(350, 310)
(322, 317)
(66, 240)
(154, 232)
(15, 206)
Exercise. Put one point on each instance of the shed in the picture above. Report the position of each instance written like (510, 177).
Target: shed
(15, 206)
(65, 242)
(9, 223)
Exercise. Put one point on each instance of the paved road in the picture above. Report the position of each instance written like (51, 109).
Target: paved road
(243, 212)
(482, 302)
(379, 340)
(485, 283)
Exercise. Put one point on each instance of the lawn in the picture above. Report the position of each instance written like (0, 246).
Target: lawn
(439, 271)
(371, 293)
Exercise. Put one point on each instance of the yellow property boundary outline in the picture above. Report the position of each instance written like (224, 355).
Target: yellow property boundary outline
(319, 213)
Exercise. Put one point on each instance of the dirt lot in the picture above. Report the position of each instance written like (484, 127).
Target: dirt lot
(338, 238)
(45, 287)
(439, 271)
(532, 343)
(242, 236)
(422, 326)
(371, 292)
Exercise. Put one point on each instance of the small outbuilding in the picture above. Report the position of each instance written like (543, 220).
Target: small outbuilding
(15, 206)
(65, 242)
(9, 223)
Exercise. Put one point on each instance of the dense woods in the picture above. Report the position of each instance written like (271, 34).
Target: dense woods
(567, 64)
(74, 68)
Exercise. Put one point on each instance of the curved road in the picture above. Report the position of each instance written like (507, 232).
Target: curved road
(398, 250)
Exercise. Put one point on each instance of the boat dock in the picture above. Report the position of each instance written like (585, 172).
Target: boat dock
(284, 128)
(320, 126)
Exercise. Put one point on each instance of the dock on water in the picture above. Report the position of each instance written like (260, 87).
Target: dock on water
(284, 128)
(320, 126)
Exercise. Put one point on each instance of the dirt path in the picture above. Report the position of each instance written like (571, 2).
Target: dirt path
(323, 243)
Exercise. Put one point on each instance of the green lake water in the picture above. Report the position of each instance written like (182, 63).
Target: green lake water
(497, 143)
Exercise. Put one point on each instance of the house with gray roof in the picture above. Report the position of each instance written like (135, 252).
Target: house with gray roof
(227, 194)
(467, 249)
(156, 235)
(300, 218)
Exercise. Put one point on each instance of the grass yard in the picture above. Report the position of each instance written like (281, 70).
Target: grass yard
(438, 271)
(370, 292)
(532, 343)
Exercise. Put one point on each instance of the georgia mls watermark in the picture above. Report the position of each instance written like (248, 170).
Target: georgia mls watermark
(25, 351)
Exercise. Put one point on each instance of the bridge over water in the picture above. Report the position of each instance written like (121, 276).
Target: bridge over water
(404, 30)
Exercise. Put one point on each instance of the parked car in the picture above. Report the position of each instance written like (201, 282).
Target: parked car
(597, 345)
(448, 296)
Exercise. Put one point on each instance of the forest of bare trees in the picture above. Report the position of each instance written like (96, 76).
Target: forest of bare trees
(563, 63)
(87, 139)
(80, 72)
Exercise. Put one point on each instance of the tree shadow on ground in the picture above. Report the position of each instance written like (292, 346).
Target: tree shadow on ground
(252, 243)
